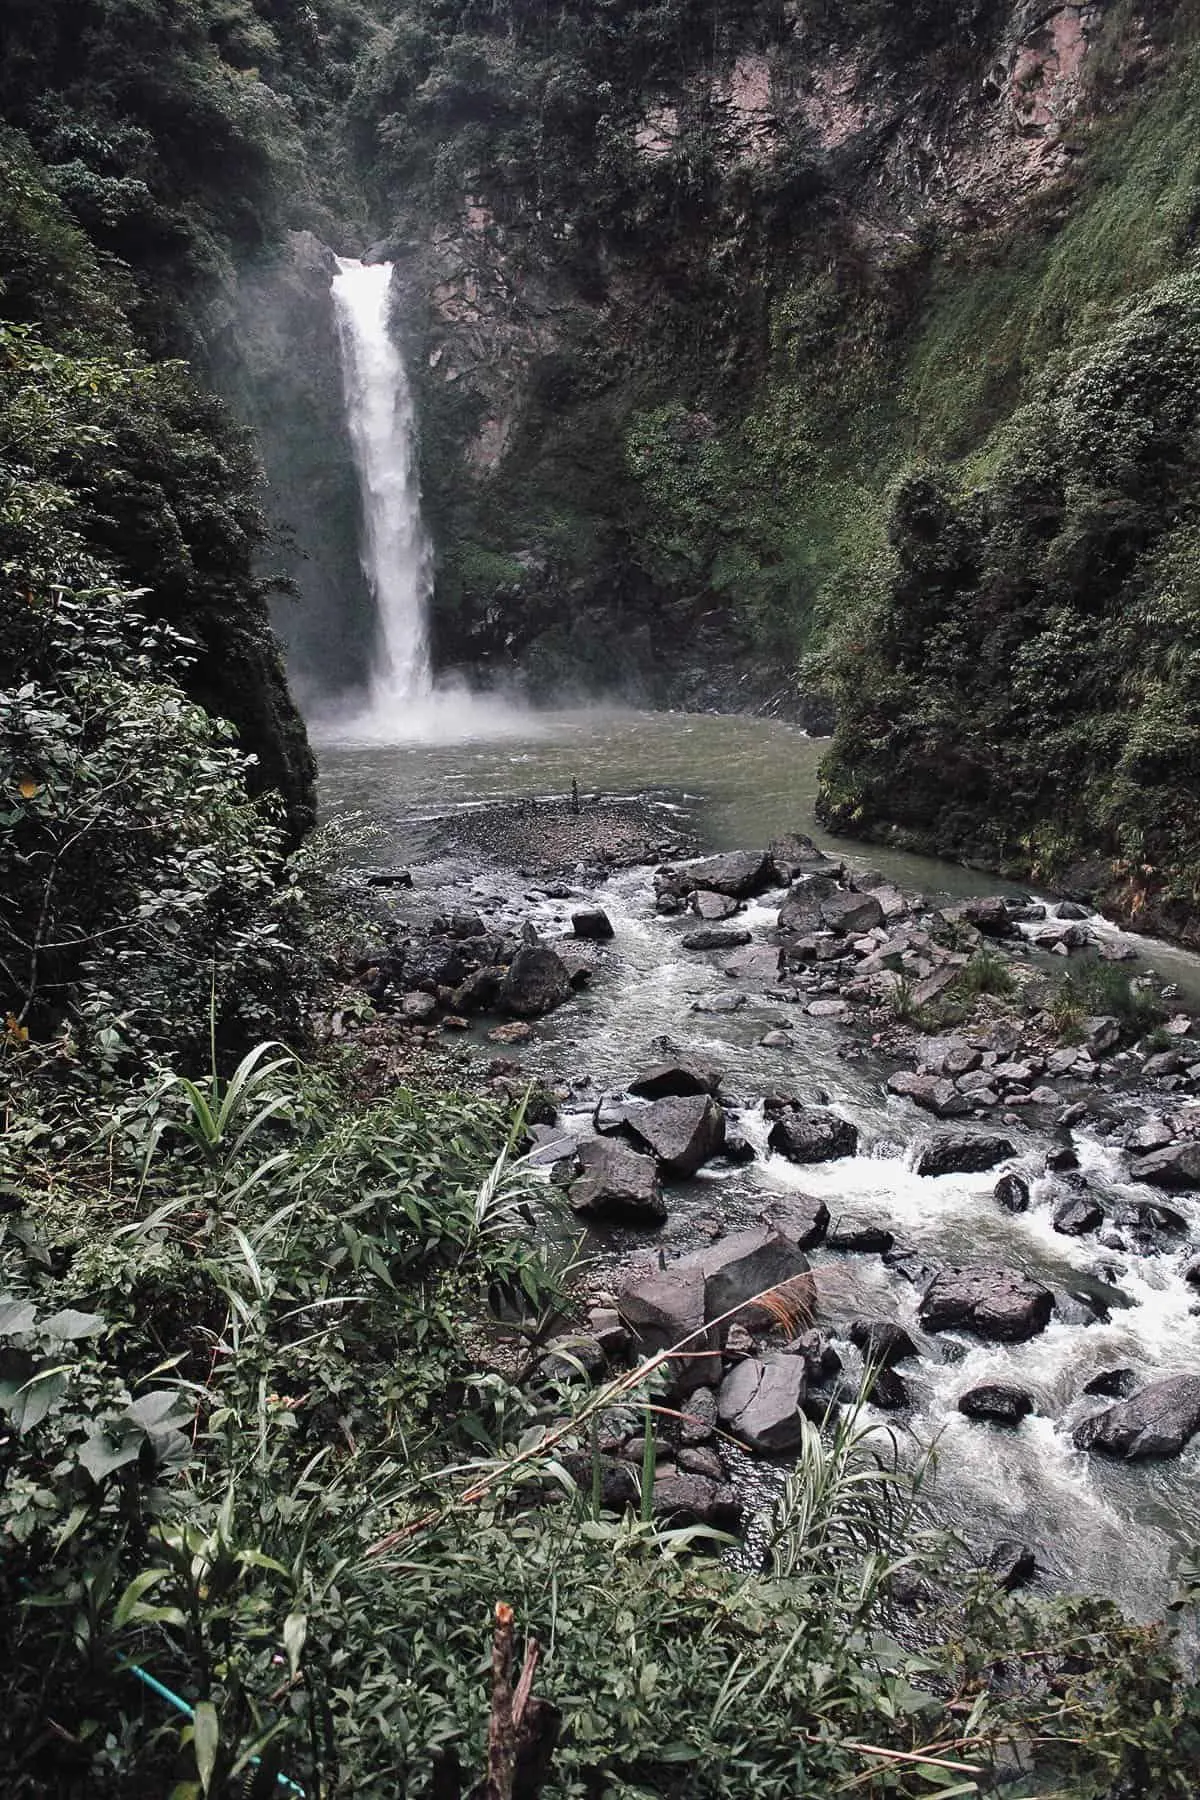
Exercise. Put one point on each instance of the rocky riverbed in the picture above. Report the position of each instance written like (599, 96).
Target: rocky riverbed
(965, 1051)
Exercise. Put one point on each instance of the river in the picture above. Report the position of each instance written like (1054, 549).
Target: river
(735, 783)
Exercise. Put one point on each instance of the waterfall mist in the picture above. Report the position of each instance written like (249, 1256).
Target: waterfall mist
(402, 702)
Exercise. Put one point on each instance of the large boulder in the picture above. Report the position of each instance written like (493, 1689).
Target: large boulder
(740, 874)
(690, 1293)
(933, 1093)
(993, 1302)
(715, 937)
(1157, 1421)
(882, 1341)
(761, 1400)
(713, 908)
(800, 913)
(813, 1135)
(851, 914)
(681, 1132)
(617, 1183)
(951, 1154)
(804, 1219)
(990, 915)
(997, 1402)
(1176, 1167)
(661, 1080)
(537, 980)
(1078, 1214)
(592, 922)
(795, 854)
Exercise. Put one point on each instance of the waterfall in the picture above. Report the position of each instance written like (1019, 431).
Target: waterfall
(395, 550)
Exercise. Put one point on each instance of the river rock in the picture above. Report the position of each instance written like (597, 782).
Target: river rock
(592, 922)
(417, 1008)
(990, 915)
(1012, 1564)
(1157, 1421)
(713, 908)
(803, 1218)
(478, 991)
(853, 1233)
(663, 1080)
(951, 1056)
(1176, 1167)
(1113, 1384)
(827, 1009)
(996, 1401)
(889, 1391)
(537, 980)
(933, 1093)
(1101, 1035)
(713, 938)
(687, 1498)
(720, 1003)
(995, 1303)
(740, 874)
(617, 1183)
(800, 914)
(811, 1136)
(682, 1132)
(795, 854)
(851, 914)
(1078, 1214)
(760, 1402)
(1012, 1193)
(882, 1341)
(1071, 909)
(952, 1154)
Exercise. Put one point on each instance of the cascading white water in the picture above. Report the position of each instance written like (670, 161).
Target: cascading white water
(395, 550)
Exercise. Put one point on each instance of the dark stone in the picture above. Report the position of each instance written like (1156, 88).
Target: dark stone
(800, 914)
(760, 1401)
(851, 914)
(996, 1401)
(889, 1391)
(1012, 1564)
(1157, 1421)
(713, 938)
(682, 1132)
(995, 1303)
(617, 1183)
(418, 1008)
(1113, 1384)
(882, 1341)
(990, 915)
(933, 1093)
(665, 1080)
(1176, 1167)
(952, 1154)
(810, 1137)
(618, 1480)
(1061, 1160)
(795, 854)
(685, 1498)
(821, 1360)
(1077, 1215)
(466, 925)
(1012, 1193)
(592, 922)
(865, 1235)
(537, 980)
(803, 1218)
(1071, 909)
(740, 874)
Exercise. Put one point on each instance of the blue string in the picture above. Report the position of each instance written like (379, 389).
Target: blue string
(181, 1705)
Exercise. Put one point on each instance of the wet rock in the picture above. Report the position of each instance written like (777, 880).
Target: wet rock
(713, 908)
(849, 914)
(889, 1391)
(794, 854)
(810, 1136)
(1191, 1272)
(1012, 1564)
(1071, 909)
(617, 1183)
(800, 913)
(1060, 1161)
(1012, 1193)
(882, 1341)
(1113, 1384)
(592, 922)
(933, 1093)
(1157, 1421)
(757, 963)
(537, 980)
(1077, 1215)
(776, 1040)
(685, 1498)
(990, 915)
(517, 1033)
(739, 875)
(952, 1154)
(662, 1081)
(701, 1460)
(478, 991)
(720, 1003)
(995, 1303)
(802, 1218)
(892, 903)
(821, 1360)
(739, 1146)
(1175, 1167)
(950, 1056)
(909, 1265)
(827, 1009)
(760, 1402)
(667, 1306)
(466, 925)
(551, 1147)
(857, 1234)
(747, 1263)
(996, 1401)
(713, 938)
(699, 1422)
(681, 1132)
